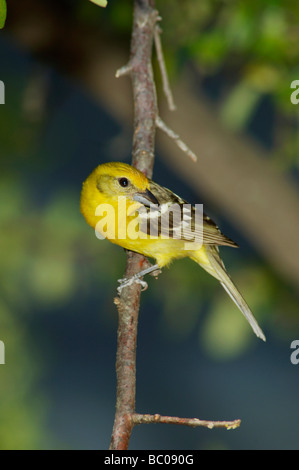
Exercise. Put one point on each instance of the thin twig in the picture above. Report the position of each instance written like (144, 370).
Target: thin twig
(125, 70)
(193, 422)
(184, 147)
(163, 70)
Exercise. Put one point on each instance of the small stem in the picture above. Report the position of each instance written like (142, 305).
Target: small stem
(184, 147)
(193, 422)
(125, 70)
(163, 70)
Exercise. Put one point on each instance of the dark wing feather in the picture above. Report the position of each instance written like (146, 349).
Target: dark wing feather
(211, 233)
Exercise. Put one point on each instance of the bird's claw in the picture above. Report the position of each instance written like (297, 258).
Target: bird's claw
(125, 282)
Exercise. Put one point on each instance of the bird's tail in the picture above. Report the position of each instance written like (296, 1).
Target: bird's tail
(214, 265)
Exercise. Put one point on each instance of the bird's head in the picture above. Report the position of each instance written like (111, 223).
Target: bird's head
(110, 181)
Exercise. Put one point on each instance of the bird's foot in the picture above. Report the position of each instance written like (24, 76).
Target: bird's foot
(126, 282)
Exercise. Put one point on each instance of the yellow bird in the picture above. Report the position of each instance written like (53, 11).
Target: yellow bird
(128, 209)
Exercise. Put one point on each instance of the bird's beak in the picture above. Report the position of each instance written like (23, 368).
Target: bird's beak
(146, 198)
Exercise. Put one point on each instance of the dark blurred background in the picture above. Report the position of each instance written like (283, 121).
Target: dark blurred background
(231, 65)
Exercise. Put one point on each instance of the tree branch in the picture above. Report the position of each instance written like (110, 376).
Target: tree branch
(145, 113)
(146, 120)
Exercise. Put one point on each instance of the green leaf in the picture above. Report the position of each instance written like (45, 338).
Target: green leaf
(100, 3)
(3, 12)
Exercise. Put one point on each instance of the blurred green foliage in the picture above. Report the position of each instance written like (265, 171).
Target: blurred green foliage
(3, 12)
(48, 254)
(222, 331)
(253, 47)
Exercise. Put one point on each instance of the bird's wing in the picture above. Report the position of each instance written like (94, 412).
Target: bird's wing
(178, 219)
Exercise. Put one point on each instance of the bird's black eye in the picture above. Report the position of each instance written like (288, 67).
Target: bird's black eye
(124, 182)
